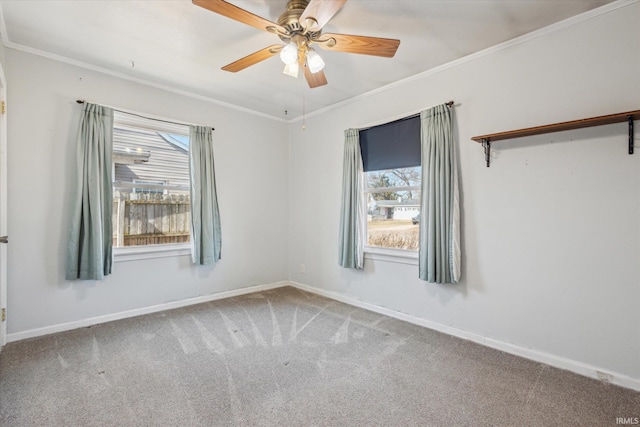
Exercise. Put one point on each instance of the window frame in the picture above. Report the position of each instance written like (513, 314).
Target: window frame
(142, 252)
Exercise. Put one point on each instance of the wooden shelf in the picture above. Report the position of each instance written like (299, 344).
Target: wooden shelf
(628, 117)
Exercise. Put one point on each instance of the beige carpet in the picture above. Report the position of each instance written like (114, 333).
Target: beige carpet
(285, 357)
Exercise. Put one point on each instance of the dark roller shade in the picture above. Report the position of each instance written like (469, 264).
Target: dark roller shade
(392, 145)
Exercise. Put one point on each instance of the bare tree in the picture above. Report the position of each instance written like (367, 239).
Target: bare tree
(409, 176)
(379, 180)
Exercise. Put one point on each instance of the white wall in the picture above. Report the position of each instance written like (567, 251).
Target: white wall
(251, 171)
(551, 237)
(3, 51)
(551, 231)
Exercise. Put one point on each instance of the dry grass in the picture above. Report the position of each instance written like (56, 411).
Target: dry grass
(393, 234)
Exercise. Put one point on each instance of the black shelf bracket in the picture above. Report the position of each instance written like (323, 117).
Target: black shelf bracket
(486, 143)
(630, 120)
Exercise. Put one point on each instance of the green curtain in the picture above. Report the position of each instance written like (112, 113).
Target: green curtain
(205, 217)
(439, 258)
(351, 217)
(89, 255)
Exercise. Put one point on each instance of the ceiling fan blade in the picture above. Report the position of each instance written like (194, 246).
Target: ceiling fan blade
(364, 45)
(314, 79)
(320, 11)
(230, 11)
(252, 59)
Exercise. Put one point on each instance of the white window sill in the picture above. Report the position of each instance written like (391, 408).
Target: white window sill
(400, 256)
(132, 253)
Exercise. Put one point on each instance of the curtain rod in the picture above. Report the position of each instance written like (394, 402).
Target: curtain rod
(411, 116)
(81, 101)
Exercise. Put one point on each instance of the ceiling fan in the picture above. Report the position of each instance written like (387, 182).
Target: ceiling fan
(300, 27)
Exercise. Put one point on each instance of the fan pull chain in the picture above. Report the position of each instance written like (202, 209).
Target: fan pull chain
(304, 124)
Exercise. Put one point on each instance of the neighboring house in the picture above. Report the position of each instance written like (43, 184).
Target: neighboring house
(406, 211)
(395, 209)
(150, 157)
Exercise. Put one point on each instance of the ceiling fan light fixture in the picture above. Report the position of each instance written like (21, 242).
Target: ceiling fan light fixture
(289, 54)
(298, 27)
(314, 61)
(291, 69)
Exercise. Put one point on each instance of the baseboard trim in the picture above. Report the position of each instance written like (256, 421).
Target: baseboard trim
(535, 355)
(61, 327)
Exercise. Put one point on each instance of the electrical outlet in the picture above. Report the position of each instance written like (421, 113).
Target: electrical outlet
(603, 376)
(302, 268)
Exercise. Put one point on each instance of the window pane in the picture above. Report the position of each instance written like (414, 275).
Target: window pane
(151, 203)
(393, 223)
(393, 208)
(150, 218)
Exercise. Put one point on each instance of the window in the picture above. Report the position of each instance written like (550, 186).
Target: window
(151, 204)
(393, 174)
(150, 186)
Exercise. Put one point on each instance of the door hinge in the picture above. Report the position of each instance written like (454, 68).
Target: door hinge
(3, 107)
(4, 314)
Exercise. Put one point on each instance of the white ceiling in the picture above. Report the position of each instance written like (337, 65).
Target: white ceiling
(182, 46)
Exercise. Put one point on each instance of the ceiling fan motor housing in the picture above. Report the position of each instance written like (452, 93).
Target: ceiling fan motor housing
(289, 20)
(300, 27)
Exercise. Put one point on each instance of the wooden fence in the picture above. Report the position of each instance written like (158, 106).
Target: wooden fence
(150, 218)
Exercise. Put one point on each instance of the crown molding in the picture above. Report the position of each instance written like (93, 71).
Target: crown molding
(476, 55)
(139, 80)
(471, 57)
(60, 58)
